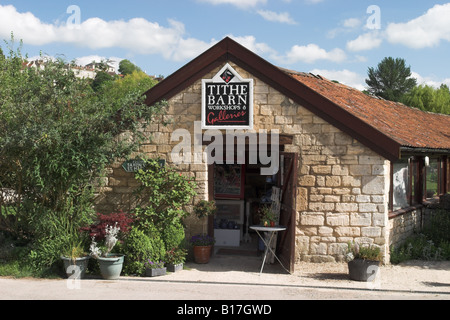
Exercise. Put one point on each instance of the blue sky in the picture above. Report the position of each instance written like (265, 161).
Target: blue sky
(336, 39)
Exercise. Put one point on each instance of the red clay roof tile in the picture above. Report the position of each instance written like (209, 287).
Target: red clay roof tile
(410, 127)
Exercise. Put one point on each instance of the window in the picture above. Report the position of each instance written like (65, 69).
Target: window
(415, 176)
(418, 178)
(448, 174)
(405, 183)
(432, 170)
(400, 185)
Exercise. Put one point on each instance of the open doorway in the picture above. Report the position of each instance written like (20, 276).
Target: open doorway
(240, 191)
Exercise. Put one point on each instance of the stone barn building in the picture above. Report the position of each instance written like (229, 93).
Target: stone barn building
(349, 166)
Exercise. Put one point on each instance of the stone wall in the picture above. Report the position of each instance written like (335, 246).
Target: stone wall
(342, 187)
(343, 192)
(404, 224)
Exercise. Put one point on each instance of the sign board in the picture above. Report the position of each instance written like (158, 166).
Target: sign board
(135, 165)
(227, 101)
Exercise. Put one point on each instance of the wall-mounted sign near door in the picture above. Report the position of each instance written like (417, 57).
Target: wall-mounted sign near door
(134, 165)
(227, 101)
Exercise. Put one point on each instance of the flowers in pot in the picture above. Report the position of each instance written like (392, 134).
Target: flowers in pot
(363, 261)
(268, 218)
(175, 259)
(154, 269)
(202, 244)
(110, 263)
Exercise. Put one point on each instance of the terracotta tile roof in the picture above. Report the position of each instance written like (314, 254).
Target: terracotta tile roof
(409, 127)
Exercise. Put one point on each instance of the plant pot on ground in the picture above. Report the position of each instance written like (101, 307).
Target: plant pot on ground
(175, 259)
(75, 261)
(202, 248)
(75, 268)
(363, 262)
(154, 269)
(110, 264)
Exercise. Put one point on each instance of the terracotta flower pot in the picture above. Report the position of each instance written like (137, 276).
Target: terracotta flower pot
(202, 254)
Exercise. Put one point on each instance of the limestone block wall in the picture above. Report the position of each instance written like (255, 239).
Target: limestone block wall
(404, 225)
(342, 187)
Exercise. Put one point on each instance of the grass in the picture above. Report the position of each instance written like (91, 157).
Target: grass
(432, 243)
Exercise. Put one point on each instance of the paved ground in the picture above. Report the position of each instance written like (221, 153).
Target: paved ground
(237, 278)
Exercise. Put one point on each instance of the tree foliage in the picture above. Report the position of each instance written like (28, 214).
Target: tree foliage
(162, 195)
(57, 137)
(430, 99)
(126, 67)
(391, 79)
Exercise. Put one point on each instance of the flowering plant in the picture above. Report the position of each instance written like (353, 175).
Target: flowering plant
(111, 237)
(176, 256)
(201, 240)
(154, 265)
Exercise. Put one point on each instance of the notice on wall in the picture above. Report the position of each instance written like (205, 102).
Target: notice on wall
(227, 101)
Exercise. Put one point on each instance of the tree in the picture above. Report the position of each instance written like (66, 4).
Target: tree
(126, 67)
(429, 99)
(101, 78)
(57, 138)
(391, 79)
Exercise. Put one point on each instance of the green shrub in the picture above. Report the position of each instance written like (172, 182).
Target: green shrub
(140, 246)
(173, 236)
(47, 251)
(162, 195)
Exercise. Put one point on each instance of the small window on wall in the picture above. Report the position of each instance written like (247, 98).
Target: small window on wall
(431, 185)
(448, 175)
(401, 185)
(415, 186)
(405, 184)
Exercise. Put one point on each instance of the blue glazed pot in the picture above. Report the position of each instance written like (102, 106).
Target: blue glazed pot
(111, 266)
(75, 269)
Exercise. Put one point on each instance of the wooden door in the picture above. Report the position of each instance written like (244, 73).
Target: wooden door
(288, 184)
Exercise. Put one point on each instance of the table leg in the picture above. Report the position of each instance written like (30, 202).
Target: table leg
(268, 247)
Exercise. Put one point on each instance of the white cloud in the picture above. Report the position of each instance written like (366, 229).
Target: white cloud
(283, 17)
(250, 43)
(427, 30)
(136, 35)
(349, 78)
(242, 4)
(352, 23)
(345, 26)
(311, 53)
(367, 41)
(429, 80)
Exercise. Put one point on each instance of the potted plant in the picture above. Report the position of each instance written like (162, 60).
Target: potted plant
(363, 261)
(268, 218)
(205, 208)
(75, 261)
(154, 269)
(202, 244)
(110, 263)
(175, 259)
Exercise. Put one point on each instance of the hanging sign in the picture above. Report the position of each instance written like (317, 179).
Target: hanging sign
(227, 101)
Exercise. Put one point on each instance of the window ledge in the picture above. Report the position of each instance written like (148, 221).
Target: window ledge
(399, 212)
(428, 203)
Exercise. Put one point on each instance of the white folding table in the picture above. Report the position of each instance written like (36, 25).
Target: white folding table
(271, 231)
